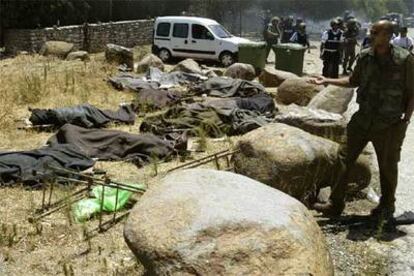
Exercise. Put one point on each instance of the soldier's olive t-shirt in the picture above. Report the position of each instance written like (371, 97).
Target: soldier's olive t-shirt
(355, 80)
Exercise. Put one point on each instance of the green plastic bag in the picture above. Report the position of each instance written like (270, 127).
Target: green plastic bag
(109, 202)
(85, 209)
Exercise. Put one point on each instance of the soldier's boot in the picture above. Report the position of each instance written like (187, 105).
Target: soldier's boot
(330, 208)
(383, 212)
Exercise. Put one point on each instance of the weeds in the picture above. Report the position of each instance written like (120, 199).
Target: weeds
(8, 235)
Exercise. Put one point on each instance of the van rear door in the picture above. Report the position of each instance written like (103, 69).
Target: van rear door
(162, 35)
(179, 40)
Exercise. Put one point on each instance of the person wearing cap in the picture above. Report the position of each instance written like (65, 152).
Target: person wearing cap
(288, 29)
(350, 41)
(403, 40)
(301, 37)
(272, 34)
(384, 77)
(331, 50)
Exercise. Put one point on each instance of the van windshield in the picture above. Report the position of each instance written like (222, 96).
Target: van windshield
(220, 31)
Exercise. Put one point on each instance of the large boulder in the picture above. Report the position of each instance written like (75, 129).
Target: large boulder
(119, 55)
(81, 55)
(148, 61)
(294, 161)
(241, 71)
(188, 66)
(58, 49)
(207, 222)
(332, 99)
(315, 121)
(271, 77)
(297, 91)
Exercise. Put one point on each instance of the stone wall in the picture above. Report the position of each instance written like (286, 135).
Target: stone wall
(91, 37)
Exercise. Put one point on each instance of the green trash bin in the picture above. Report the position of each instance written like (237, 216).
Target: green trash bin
(253, 53)
(289, 57)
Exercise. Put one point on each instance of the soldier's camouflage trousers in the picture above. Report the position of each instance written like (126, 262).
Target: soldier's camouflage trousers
(349, 57)
(387, 144)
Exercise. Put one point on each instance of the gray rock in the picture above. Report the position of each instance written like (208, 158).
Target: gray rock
(332, 99)
(294, 161)
(271, 77)
(241, 71)
(318, 122)
(58, 49)
(206, 222)
(297, 91)
(82, 55)
(119, 55)
(188, 66)
(148, 61)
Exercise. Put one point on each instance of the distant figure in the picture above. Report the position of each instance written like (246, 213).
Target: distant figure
(301, 37)
(366, 43)
(272, 34)
(299, 21)
(347, 16)
(330, 50)
(266, 19)
(403, 40)
(350, 41)
(287, 29)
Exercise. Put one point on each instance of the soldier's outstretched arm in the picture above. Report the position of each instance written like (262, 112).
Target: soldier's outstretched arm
(344, 82)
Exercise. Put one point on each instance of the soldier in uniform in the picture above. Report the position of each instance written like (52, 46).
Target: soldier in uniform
(384, 77)
(350, 41)
(272, 34)
(301, 37)
(331, 50)
(288, 29)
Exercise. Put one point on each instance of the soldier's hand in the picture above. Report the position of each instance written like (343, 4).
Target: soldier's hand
(320, 80)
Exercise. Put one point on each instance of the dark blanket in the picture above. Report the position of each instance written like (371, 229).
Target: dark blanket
(84, 115)
(262, 103)
(31, 166)
(199, 119)
(132, 82)
(153, 79)
(115, 145)
(228, 87)
(155, 99)
(166, 80)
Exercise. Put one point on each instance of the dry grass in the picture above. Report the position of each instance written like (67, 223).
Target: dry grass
(56, 245)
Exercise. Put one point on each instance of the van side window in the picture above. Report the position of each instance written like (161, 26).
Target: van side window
(163, 29)
(200, 32)
(180, 30)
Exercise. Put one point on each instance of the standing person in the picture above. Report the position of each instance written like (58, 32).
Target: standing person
(331, 50)
(301, 37)
(384, 77)
(366, 43)
(403, 40)
(272, 34)
(266, 20)
(350, 41)
(287, 29)
(298, 23)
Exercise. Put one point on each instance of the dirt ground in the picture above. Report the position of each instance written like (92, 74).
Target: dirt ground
(57, 245)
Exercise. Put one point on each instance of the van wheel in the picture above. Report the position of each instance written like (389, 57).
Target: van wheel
(227, 59)
(164, 55)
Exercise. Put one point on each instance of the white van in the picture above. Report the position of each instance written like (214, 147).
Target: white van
(194, 37)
